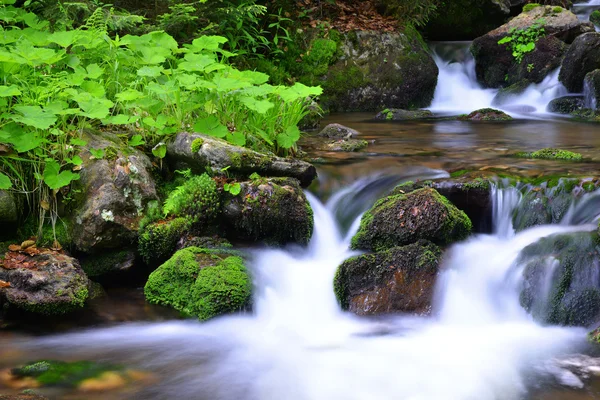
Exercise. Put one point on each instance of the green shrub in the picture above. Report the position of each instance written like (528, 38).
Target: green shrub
(522, 41)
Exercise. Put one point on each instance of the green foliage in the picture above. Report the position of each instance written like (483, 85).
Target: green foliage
(201, 282)
(522, 41)
(197, 199)
(232, 188)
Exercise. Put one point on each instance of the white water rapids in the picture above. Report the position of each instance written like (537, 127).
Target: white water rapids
(298, 345)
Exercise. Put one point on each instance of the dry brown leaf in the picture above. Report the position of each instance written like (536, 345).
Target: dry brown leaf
(14, 247)
(4, 284)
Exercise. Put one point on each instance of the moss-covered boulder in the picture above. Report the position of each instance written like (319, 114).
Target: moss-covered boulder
(582, 58)
(114, 192)
(566, 104)
(377, 70)
(158, 241)
(560, 279)
(551, 154)
(273, 210)
(405, 218)
(495, 64)
(199, 152)
(42, 281)
(201, 282)
(338, 132)
(400, 279)
(395, 114)
(591, 89)
(466, 19)
(486, 114)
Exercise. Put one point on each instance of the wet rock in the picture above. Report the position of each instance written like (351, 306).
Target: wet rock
(115, 191)
(560, 279)
(400, 279)
(405, 218)
(158, 241)
(376, 70)
(272, 210)
(206, 242)
(9, 214)
(566, 104)
(42, 281)
(510, 93)
(108, 263)
(583, 57)
(591, 86)
(486, 114)
(201, 282)
(211, 152)
(339, 132)
(348, 145)
(495, 65)
(395, 114)
(466, 20)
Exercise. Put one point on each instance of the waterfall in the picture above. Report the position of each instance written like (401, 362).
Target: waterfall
(589, 98)
(298, 345)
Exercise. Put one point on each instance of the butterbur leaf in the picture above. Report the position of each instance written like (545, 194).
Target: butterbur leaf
(129, 95)
(136, 140)
(237, 138)
(260, 106)
(9, 91)
(211, 126)
(148, 71)
(94, 71)
(34, 116)
(97, 153)
(160, 150)
(64, 38)
(76, 160)
(120, 119)
(289, 137)
(56, 179)
(208, 43)
(5, 182)
(78, 142)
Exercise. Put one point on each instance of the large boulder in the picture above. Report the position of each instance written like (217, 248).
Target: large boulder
(400, 279)
(272, 210)
(198, 152)
(560, 279)
(114, 191)
(405, 218)
(466, 19)
(495, 64)
(201, 282)
(378, 70)
(42, 281)
(566, 104)
(583, 57)
(591, 89)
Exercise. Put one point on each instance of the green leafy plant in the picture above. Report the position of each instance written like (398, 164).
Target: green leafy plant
(522, 41)
(232, 188)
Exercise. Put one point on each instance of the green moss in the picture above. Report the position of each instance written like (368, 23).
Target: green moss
(595, 18)
(531, 6)
(158, 241)
(101, 264)
(196, 144)
(557, 10)
(60, 373)
(77, 301)
(197, 200)
(551, 154)
(46, 239)
(201, 282)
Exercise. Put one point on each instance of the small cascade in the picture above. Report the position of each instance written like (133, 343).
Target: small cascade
(584, 9)
(589, 99)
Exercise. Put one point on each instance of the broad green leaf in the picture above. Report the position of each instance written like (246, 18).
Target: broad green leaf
(257, 91)
(196, 62)
(211, 126)
(94, 71)
(76, 160)
(5, 182)
(226, 84)
(254, 77)
(93, 88)
(97, 153)
(78, 142)
(56, 179)
(34, 116)
(129, 95)
(153, 71)
(160, 150)
(9, 91)
(299, 91)
(289, 137)
(136, 140)
(236, 138)
(93, 107)
(260, 106)
(235, 188)
(120, 119)
(64, 38)
(208, 43)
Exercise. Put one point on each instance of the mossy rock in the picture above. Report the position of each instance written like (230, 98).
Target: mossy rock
(405, 218)
(395, 114)
(61, 373)
(338, 132)
(486, 114)
(400, 279)
(551, 154)
(595, 17)
(158, 241)
(566, 104)
(201, 282)
(197, 200)
(347, 145)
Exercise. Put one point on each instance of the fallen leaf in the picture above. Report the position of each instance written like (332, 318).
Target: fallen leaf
(4, 284)
(14, 247)
(27, 243)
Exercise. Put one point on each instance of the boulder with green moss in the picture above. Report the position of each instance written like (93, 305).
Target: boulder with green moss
(47, 282)
(405, 218)
(560, 279)
(551, 154)
(273, 210)
(199, 152)
(377, 70)
(395, 114)
(400, 279)
(495, 64)
(566, 104)
(582, 58)
(347, 145)
(338, 132)
(201, 282)
(595, 17)
(114, 192)
(158, 241)
(486, 114)
(509, 94)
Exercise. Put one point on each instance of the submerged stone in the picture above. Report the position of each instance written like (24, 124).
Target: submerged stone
(400, 279)
(201, 282)
(396, 114)
(405, 218)
(486, 114)
(347, 145)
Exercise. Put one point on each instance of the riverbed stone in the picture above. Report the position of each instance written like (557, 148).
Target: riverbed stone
(582, 58)
(42, 281)
(591, 85)
(338, 132)
(510, 93)
(400, 279)
(560, 279)
(402, 219)
(198, 152)
(347, 145)
(273, 210)
(486, 114)
(201, 282)
(495, 65)
(380, 69)
(114, 193)
(566, 104)
(395, 114)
